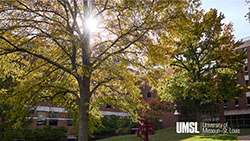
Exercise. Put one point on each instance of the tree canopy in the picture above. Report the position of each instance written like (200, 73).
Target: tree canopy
(61, 60)
(204, 64)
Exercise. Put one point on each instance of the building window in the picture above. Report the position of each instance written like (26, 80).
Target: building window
(238, 121)
(236, 100)
(167, 104)
(247, 82)
(248, 100)
(225, 103)
(245, 50)
(246, 68)
(41, 118)
(69, 122)
(108, 106)
(53, 118)
(149, 95)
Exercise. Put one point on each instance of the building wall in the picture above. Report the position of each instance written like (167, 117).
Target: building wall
(62, 118)
(168, 119)
(238, 115)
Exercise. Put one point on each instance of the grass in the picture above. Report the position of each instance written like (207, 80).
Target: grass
(169, 134)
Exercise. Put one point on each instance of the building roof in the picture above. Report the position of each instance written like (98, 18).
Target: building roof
(246, 43)
(245, 38)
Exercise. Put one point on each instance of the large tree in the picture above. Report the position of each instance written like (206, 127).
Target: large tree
(62, 60)
(205, 64)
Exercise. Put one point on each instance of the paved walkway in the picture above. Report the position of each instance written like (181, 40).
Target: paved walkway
(244, 138)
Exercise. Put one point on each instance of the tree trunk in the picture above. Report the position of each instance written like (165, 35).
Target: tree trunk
(84, 109)
(197, 111)
(83, 121)
(84, 83)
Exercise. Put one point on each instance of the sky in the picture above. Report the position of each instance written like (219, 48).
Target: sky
(234, 11)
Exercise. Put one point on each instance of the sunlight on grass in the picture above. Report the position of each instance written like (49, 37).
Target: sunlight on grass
(169, 134)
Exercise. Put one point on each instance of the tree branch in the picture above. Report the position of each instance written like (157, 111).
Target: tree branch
(101, 83)
(117, 52)
(39, 56)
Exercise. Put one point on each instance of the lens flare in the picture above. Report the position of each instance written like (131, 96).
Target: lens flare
(91, 24)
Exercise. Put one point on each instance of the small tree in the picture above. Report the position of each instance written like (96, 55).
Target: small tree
(205, 64)
(156, 111)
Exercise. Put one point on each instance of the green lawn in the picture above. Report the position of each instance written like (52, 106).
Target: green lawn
(169, 134)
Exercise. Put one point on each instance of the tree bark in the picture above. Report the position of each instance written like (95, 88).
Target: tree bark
(84, 109)
(197, 111)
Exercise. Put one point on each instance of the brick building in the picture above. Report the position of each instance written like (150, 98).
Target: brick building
(237, 111)
(168, 119)
(47, 114)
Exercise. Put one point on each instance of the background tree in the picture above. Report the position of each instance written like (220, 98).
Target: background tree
(13, 116)
(156, 111)
(205, 64)
(248, 13)
(63, 61)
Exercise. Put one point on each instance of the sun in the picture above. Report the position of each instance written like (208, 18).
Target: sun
(91, 24)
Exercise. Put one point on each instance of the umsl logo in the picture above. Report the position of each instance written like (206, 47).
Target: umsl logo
(187, 127)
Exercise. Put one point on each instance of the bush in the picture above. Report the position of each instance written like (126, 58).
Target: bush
(114, 125)
(45, 133)
(49, 133)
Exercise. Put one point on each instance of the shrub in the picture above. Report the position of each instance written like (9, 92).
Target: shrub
(45, 133)
(113, 125)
